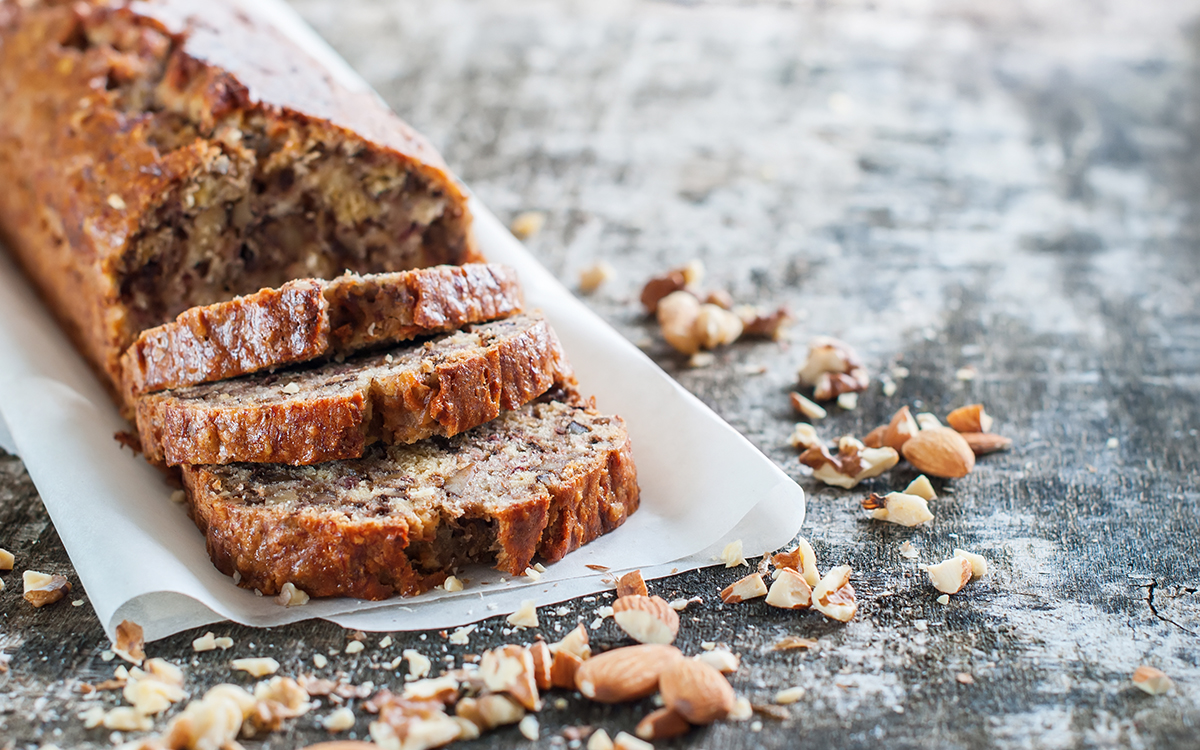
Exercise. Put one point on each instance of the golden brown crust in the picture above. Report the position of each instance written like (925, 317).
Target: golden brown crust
(333, 411)
(309, 318)
(142, 149)
(568, 477)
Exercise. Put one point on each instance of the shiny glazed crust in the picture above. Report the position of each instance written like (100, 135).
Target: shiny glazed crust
(538, 481)
(333, 411)
(309, 318)
(162, 155)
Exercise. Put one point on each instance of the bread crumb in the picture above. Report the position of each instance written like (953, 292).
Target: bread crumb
(290, 596)
(452, 584)
(532, 574)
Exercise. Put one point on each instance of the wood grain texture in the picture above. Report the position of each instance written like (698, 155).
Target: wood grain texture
(1008, 186)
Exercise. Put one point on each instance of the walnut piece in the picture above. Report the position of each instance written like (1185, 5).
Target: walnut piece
(853, 463)
(832, 368)
(42, 588)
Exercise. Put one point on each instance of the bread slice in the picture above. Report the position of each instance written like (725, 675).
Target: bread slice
(310, 318)
(333, 411)
(541, 481)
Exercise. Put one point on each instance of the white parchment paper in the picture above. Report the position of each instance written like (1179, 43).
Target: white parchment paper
(139, 557)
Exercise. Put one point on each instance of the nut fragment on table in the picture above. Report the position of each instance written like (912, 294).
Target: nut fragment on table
(646, 619)
(632, 583)
(804, 436)
(595, 276)
(807, 407)
(525, 616)
(983, 443)
(575, 642)
(716, 326)
(759, 323)
(7, 560)
(677, 315)
(1151, 680)
(257, 666)
(832, 368)
(662, 724)
(659, 287)
(789, 695)
(750, 587)
(921, 487)
(721, 659)
(949, 576)
(789, 591)
(801, 559)
(853, 463)
(509, 669)
(290, 596)
(42, 588)
(834, 597)
(941, 452)
(898, 508)
(527, 223)
(697, 691)
(970, 418)
(979, 566)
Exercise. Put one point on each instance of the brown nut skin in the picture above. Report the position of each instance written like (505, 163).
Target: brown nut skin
(563, 670)
(632, 584)
(940, 452)
(697, 691)
(625, 674)
(659, 287)
(874, 438)
(970, 418)
(662, 724)
(541, 664)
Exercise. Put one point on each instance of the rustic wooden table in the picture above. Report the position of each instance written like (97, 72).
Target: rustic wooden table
(1008, 186)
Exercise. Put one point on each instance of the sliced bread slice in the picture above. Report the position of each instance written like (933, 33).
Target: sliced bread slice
(541, 481)
(311, 318)
(311, 414)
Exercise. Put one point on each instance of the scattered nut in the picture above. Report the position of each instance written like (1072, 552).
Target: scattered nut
(419, 665)
(626, 741)
(631, 584)
(970, 418)
(742, 710)
(528, 727)
(677, 314)
(927, 421)
(874, 438)
(575, 642)
(949, 576)
(290, 596)
(339, 720)
(459, 637)
(897, 507)
(979, 566)
(696, 691)
(721, 299)
(908, 552)
(853, 463)
(732, 555)
(595, 276)
(626, 673)
(1152, 681)
(792, 642)
(452, 583)
(257, 667)
(599, 741)
(129, 642)
(563, 670)
(527, 223)
(832, 368)
(354, 647)
(509, 669)
(802, 559)
(659, 287)
(921, 488)
(983, 443)
(901, 427)
(716, 326)
(790, 695)
(720, 659)
(807, 407)
(662, 724)
(761, 324)
(790, 591)
(834, 597)
(7, 560)
(42, 588)
(647, 619)
(206, 642)
(525, 616)
(803, 436)
(750, 587)
(941, 452)
(848, 401)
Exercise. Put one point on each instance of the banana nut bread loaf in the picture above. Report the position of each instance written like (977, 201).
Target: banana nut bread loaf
(160, 155)
(540, 481)
(306, 415)
(309, 318)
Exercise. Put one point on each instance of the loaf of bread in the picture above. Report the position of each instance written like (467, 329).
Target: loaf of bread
(308, 318)
(156, 156)
(540, 481)
(307, 415)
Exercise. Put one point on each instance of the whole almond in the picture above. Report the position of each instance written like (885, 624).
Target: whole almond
(970, 418)
(662, 724)
(541, 664)
(985, 442)
(697, 691)
(902, 428)
(631, 583)
(647, 619)
(941, 452)
(625, 674)
(563, 669)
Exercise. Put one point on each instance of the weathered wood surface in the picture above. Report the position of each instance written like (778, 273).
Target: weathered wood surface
(1005, 185)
